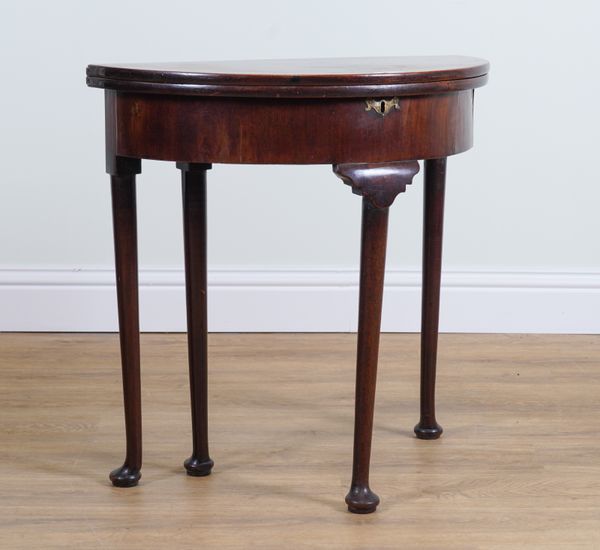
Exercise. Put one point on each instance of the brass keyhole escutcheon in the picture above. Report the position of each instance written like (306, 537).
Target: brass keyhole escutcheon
(382, 106)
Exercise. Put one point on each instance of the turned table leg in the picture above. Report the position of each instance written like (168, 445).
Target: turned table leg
(360, 498)
(194, 233)
(123, 171)
(433, 223)
(379, 185)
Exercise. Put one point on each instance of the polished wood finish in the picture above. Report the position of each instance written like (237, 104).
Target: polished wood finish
(519, 469)
(372, 119)
(193, 179)
(290, 131)
(360, 499)
(433, 226)
(379, 184)
(125, 238)
(295, 78)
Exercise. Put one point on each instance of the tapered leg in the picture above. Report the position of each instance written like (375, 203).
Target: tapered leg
(435, 177)
(360, 498)
(379, 184)
(194, 231)
(125, 238)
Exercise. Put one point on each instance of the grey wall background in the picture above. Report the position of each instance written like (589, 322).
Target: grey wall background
(525, 199)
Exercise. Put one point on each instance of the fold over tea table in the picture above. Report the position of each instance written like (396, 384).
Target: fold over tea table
(372, 119)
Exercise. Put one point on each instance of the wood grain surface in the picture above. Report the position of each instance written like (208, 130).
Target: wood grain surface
(286, 131)
(517, 467)
(336, 77)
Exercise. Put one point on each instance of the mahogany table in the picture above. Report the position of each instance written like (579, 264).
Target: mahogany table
(372, 119)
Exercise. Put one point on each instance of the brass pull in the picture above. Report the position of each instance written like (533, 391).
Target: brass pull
(382, 106)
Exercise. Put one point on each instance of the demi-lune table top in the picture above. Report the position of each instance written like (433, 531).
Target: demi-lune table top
(335, 78)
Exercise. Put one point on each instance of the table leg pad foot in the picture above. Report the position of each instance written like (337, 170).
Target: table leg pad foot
(125, 476)
(361, 500)
(428, 431)
(197, 467)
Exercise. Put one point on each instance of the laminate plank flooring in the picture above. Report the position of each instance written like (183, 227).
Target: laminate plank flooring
(518, 465)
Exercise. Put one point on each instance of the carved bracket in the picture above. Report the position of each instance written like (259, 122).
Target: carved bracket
(378, 183)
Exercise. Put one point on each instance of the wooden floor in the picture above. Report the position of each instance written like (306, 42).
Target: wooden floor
(518, 465)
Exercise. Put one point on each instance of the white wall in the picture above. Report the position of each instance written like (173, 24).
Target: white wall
(522, 206)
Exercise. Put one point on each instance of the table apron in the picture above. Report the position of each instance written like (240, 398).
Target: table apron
(287, 131)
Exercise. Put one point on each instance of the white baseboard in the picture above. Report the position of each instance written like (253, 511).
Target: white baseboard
(286, 300)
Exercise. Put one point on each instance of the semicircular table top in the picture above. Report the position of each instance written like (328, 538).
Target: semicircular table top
(288, 78)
